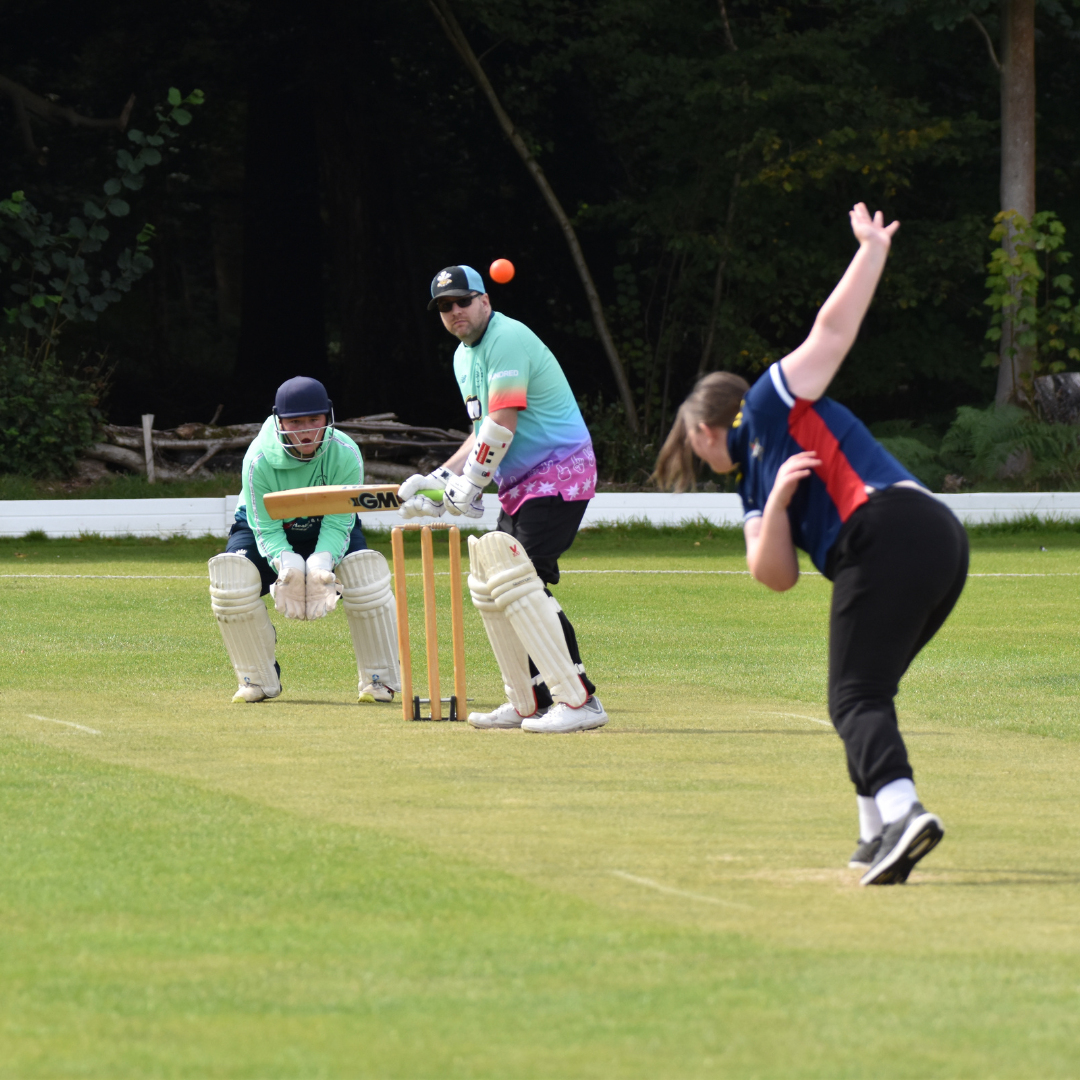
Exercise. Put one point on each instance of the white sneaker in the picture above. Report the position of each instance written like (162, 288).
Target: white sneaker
(375, 691)
(562, 718)
(505, 716)
(251, 693)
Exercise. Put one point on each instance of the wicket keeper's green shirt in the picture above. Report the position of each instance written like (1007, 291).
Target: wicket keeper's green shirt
(268, 468)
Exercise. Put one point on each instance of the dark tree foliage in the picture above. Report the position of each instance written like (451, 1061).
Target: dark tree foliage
(345, 155)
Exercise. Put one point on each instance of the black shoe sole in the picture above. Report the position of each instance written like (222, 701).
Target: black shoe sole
(919, 840)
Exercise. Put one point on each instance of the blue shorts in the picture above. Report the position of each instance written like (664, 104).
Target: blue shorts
(242, 542)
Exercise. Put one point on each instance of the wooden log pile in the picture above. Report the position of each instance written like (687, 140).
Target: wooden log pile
(392, 450)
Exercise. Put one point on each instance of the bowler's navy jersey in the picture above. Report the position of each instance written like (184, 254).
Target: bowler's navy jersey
(772, 425)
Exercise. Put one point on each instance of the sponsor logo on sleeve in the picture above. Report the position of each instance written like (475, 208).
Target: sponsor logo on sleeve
(509, 373)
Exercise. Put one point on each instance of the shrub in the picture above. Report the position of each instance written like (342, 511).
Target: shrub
(986, 444)
(47, 413)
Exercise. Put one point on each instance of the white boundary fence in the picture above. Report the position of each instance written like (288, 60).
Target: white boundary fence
(197, 517)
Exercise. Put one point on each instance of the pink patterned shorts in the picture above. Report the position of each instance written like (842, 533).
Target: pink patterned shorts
(574, 478)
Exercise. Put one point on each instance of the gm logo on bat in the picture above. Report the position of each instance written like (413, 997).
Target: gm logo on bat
(371, 500)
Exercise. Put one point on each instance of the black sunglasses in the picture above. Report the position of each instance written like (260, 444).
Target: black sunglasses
(448, 304)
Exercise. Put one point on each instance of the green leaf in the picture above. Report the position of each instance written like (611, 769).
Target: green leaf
(196, 97)
(118, 207)
(112, 186)
(175, 97)
(150, 156)
(181, 116)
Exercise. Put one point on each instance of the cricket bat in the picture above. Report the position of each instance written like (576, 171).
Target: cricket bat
(336, 499)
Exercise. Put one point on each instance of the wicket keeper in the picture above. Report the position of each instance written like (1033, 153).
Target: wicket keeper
(530, 438)
(295, 560)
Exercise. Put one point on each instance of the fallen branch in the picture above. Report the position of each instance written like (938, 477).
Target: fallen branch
(26, 103)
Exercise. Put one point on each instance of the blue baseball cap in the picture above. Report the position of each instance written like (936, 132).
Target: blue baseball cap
(455, 281)
(301, 396)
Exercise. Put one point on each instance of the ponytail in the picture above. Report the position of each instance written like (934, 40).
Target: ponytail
(675, 463)
(715, 402)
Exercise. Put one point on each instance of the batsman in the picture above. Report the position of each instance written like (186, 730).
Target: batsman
(530, 439)
(295, 560)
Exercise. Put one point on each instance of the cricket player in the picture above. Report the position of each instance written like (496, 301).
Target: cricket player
(811, 476)
(530, 439)
(295, 561)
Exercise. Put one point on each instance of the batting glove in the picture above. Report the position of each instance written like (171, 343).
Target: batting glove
(290, 590)
(463, 496)
(323, 590)
(418, 493)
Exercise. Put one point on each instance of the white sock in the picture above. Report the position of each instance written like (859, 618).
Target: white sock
(894, 800)
(869, 818)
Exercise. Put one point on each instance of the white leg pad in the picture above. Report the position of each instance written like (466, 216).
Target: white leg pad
(519, 593)
(510, 654)
(243, 621)
(369, 606)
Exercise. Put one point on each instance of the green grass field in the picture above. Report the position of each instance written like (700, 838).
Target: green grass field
(311, 888)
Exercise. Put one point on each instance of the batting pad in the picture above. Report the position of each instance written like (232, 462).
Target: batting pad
(372, 614)
(519, 593)
(242, 618)
(510, 654)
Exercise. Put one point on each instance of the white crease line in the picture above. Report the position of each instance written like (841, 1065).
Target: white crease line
(745, 573)
(66, 723)
(114, 577)
(650, 884)
(800, 716)
(446, 573)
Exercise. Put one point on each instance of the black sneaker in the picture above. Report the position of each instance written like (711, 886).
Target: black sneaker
(863, 855)
(903, 844)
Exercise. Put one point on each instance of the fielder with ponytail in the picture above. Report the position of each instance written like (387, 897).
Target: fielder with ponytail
(811, 476)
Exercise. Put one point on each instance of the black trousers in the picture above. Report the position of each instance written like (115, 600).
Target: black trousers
(546, 528)
(898, 567)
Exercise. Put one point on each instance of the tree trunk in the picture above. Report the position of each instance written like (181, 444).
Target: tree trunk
(1017, 164)
(461, 44)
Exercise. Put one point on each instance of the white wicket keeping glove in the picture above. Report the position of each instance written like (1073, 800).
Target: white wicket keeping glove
(461, 496)
(290, 589)
(416, 494)
(323, 590)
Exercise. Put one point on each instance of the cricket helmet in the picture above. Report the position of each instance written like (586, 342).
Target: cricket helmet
(301, 396)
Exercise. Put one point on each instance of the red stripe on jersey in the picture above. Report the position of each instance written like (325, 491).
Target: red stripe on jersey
(510, 398)
(842, 482)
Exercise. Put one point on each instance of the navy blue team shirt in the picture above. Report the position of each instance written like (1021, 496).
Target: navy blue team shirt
(773, 424)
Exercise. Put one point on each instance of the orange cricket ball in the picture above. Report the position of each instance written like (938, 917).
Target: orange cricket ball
(502, 271)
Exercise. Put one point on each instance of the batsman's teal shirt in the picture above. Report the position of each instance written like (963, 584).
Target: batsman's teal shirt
(510, 367)
(268, 468)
